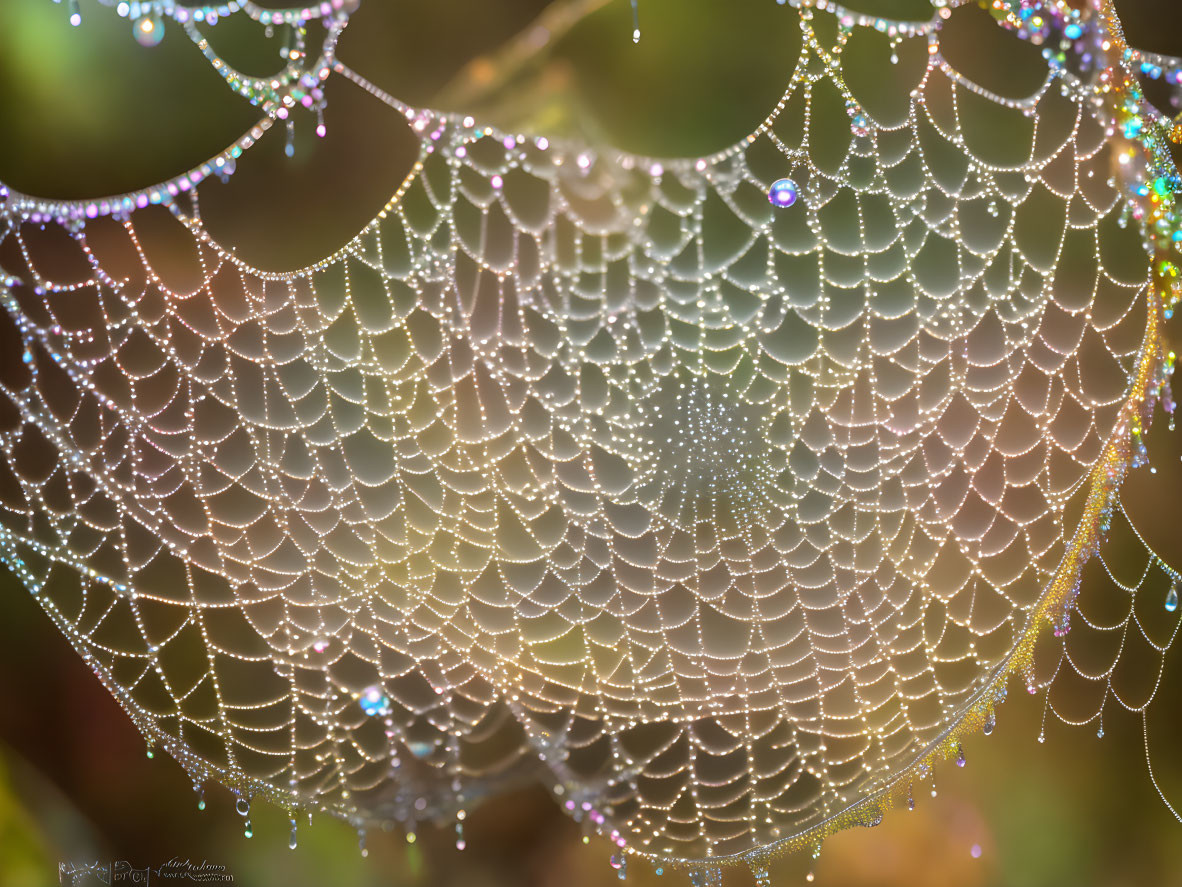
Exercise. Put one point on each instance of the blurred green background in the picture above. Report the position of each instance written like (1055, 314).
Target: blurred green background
(86, 112)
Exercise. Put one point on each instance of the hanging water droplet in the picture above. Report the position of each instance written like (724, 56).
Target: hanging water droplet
(759, 871)
(291, 842)
(960, 759)
(1172, 598)
(460, 842)
(242, 805)
(361, 842)
(150, 752)
(75, 13)
(783, 193)
(1100, 732)
(289, 148)
(148, 30)
(993, 210)
(619, 862)
(248, 831)
(635, 21)
(200, 797)
(910, 798)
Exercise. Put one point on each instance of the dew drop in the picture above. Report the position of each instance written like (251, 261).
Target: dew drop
(635, 21)
(783, 193)
(248, 831)
(148, 30)
(289, 148)
(1172, 598)
(291, 842)
(990, 723)
(361, 843)
(200, 798)
(960, 759)
(376, 703)
(242, 805)
(619, 862)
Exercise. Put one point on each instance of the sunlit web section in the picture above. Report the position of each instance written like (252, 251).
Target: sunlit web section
(718, 516)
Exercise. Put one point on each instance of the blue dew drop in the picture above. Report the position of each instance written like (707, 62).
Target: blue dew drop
(783, 193)
(619, 862)
(1172, 598)
(291, 841)
(374, 702)
(148, 30)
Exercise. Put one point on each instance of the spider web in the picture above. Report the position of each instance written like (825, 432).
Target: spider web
(722, 519)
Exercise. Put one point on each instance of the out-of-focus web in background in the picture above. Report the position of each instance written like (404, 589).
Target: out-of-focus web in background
(720, 495)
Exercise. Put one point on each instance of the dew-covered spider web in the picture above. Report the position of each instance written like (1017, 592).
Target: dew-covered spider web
(722, 495)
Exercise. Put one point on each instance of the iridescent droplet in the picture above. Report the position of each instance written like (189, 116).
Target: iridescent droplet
(783, 193)
(148, 30)
(374, 702)
(1172, 598)
(619, 862)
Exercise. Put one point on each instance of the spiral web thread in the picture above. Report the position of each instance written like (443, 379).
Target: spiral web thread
(723, 520)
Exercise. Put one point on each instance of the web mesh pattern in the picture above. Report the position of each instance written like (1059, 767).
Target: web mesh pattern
(716, 516)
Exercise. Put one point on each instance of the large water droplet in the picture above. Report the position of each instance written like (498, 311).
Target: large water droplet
(635, 21)
(148, 30)
(783, 193)
(242, 805)
(1172, 598)
(990, 723)
(291, 842)
(374, 702)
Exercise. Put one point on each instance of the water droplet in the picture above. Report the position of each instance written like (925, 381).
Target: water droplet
(635, 21)
(783, 193)
(960, 759)
(910, 798)
(291, 842)
(990, 723)
(200, 798)
(860, 125)
(1100, 732)
(759, 871)
(242, 805)
(375, 703)
(993, 210)
(619, 862)
(248, 831)
(1172, 598)
(289, 148)
(148, 30)
(361, 843)
(75, 14)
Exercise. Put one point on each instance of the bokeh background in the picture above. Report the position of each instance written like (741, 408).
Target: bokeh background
(85, 112)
